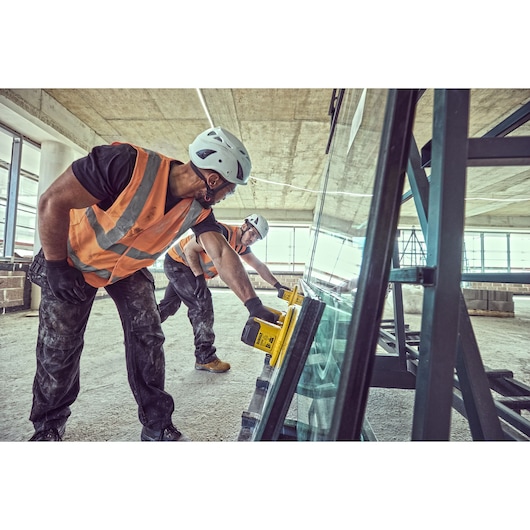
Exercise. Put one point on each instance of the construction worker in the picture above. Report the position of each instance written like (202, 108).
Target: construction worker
(103, 221)
(188, 265)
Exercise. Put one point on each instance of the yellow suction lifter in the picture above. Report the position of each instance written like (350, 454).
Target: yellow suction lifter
(273, 338)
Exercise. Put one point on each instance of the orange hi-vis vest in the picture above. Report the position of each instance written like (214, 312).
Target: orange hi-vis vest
(176, 252)
(108, 245)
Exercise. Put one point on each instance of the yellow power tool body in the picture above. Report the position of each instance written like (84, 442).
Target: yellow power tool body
(273, 338)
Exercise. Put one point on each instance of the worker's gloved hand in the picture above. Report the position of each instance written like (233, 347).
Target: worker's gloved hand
(257, 309)
(66, 283)
(200, 286)
(279, 286)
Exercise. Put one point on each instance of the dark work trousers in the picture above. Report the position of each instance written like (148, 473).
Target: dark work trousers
(60, 343)
(200, 310)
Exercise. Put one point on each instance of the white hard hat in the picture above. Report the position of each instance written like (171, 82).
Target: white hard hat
(221, 151)
(259, 223)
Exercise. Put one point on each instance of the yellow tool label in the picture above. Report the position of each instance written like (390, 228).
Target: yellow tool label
(264, 341)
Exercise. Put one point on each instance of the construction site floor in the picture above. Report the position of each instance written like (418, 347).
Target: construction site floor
(208, 407)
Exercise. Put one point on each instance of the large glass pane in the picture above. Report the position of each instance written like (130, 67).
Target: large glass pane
(337, 239)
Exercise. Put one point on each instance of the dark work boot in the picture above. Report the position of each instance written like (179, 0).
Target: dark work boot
(51, 434)
(169, 434)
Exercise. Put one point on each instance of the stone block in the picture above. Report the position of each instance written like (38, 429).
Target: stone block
(477, 304)
(501, 306)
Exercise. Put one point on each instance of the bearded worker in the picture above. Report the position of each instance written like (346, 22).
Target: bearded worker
(102, 222)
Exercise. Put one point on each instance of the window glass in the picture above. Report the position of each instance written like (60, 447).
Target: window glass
(301, 247)
(5, 159)
(280, 245)
(27, 201)
(6, 141)
(495, 253)
(3, 202)
(472, 252)
(25, 219)
(520, 252)
(412, 248)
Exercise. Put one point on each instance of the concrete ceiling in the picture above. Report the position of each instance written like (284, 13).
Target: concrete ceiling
(286, 132)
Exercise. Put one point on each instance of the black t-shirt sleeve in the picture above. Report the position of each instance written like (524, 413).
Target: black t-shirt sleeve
(209, 224)
(106, 171)
(248, 250)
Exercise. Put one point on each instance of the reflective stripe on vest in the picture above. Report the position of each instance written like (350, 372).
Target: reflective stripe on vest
(176, 252)
(113, 244)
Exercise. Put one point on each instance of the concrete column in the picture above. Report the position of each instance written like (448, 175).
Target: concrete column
(55, 157)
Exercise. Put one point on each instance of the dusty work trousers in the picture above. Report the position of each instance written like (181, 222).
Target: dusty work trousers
(200, 310)
(60, 343)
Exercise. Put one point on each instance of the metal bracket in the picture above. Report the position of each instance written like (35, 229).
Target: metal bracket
(418, 275)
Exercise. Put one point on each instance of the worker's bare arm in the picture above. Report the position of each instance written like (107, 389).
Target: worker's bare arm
(228, 264)
(54, 212)
(192, 251)
(260, 267)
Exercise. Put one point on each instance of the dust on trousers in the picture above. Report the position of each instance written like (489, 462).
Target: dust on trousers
(60, 342)
(180, 289)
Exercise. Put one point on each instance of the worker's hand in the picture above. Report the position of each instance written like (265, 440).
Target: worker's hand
(66, 283)
(257, 309)
(200, 286)
(278, 286)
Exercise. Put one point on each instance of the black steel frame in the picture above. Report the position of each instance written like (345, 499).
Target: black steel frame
(441, 362)
(471, 386)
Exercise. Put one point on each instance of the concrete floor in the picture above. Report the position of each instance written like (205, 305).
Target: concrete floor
(208, 406)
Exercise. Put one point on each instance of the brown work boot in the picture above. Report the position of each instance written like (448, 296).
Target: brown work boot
(217, 366)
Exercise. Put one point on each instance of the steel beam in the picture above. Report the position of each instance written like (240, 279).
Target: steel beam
(491, 151)
(496, 277)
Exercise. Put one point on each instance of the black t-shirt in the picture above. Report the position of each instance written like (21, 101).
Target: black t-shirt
(106, 171)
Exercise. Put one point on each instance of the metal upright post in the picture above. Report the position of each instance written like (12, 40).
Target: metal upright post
(439, 329)
(478, 401)
(12, 194)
